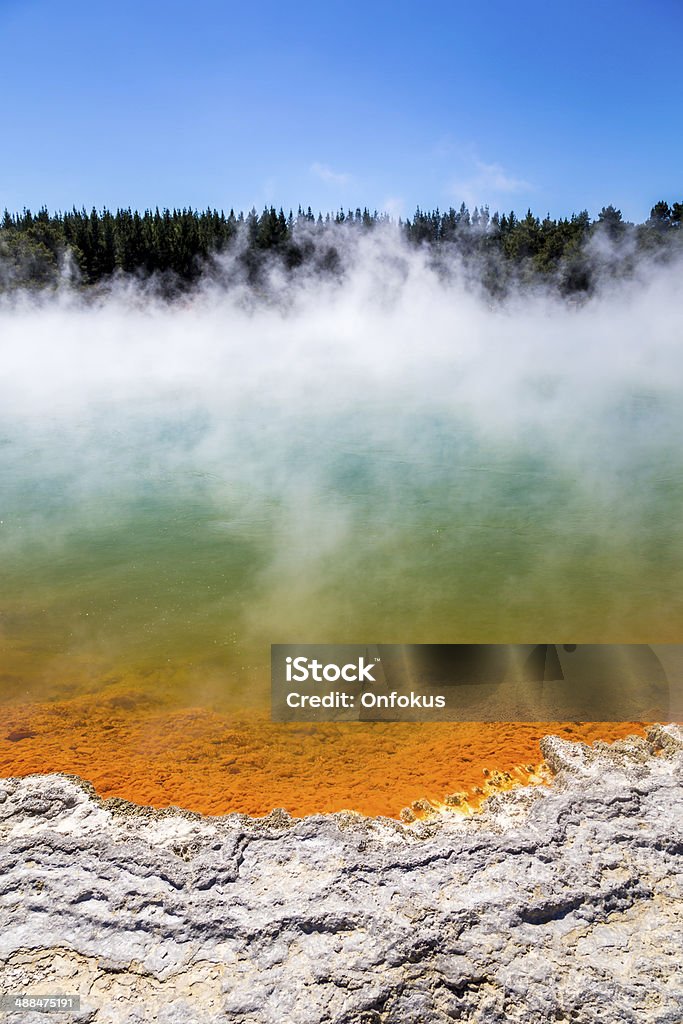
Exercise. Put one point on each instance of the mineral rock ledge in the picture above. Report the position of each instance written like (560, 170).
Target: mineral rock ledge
(558, 903)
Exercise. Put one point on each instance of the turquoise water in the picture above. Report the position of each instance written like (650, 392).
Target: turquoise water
(171, 544)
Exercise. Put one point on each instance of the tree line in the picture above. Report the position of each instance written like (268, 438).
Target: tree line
(177, 248)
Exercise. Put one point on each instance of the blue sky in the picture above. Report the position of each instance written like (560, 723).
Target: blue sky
(555, 105)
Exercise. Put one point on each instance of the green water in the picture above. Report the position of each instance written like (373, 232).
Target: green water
(138, 547)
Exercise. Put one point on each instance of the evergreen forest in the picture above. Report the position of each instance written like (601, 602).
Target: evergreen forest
(175, 250)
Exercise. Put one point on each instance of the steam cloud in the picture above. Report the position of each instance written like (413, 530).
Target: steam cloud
(391, 454)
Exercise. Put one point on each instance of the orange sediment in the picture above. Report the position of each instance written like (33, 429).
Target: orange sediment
(214, 762)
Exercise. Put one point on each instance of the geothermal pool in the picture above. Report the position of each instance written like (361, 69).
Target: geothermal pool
(137, 617)
(181, 488)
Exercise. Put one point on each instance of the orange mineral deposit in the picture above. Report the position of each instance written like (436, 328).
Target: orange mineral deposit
(217, 762)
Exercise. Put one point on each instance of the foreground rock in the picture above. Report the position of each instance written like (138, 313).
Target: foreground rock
(554, 904)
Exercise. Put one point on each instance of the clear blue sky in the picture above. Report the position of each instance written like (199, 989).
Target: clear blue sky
(554, 104)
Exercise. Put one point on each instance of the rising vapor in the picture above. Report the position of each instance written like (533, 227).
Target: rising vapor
(389, 454)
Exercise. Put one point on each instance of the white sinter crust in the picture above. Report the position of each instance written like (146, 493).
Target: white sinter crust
(554, 904)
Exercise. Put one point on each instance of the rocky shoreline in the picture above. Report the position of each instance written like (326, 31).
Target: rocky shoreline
(558, 903)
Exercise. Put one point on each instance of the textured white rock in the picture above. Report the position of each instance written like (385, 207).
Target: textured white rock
(554, 904)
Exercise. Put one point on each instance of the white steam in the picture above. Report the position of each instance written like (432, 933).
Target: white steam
(331, 417)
